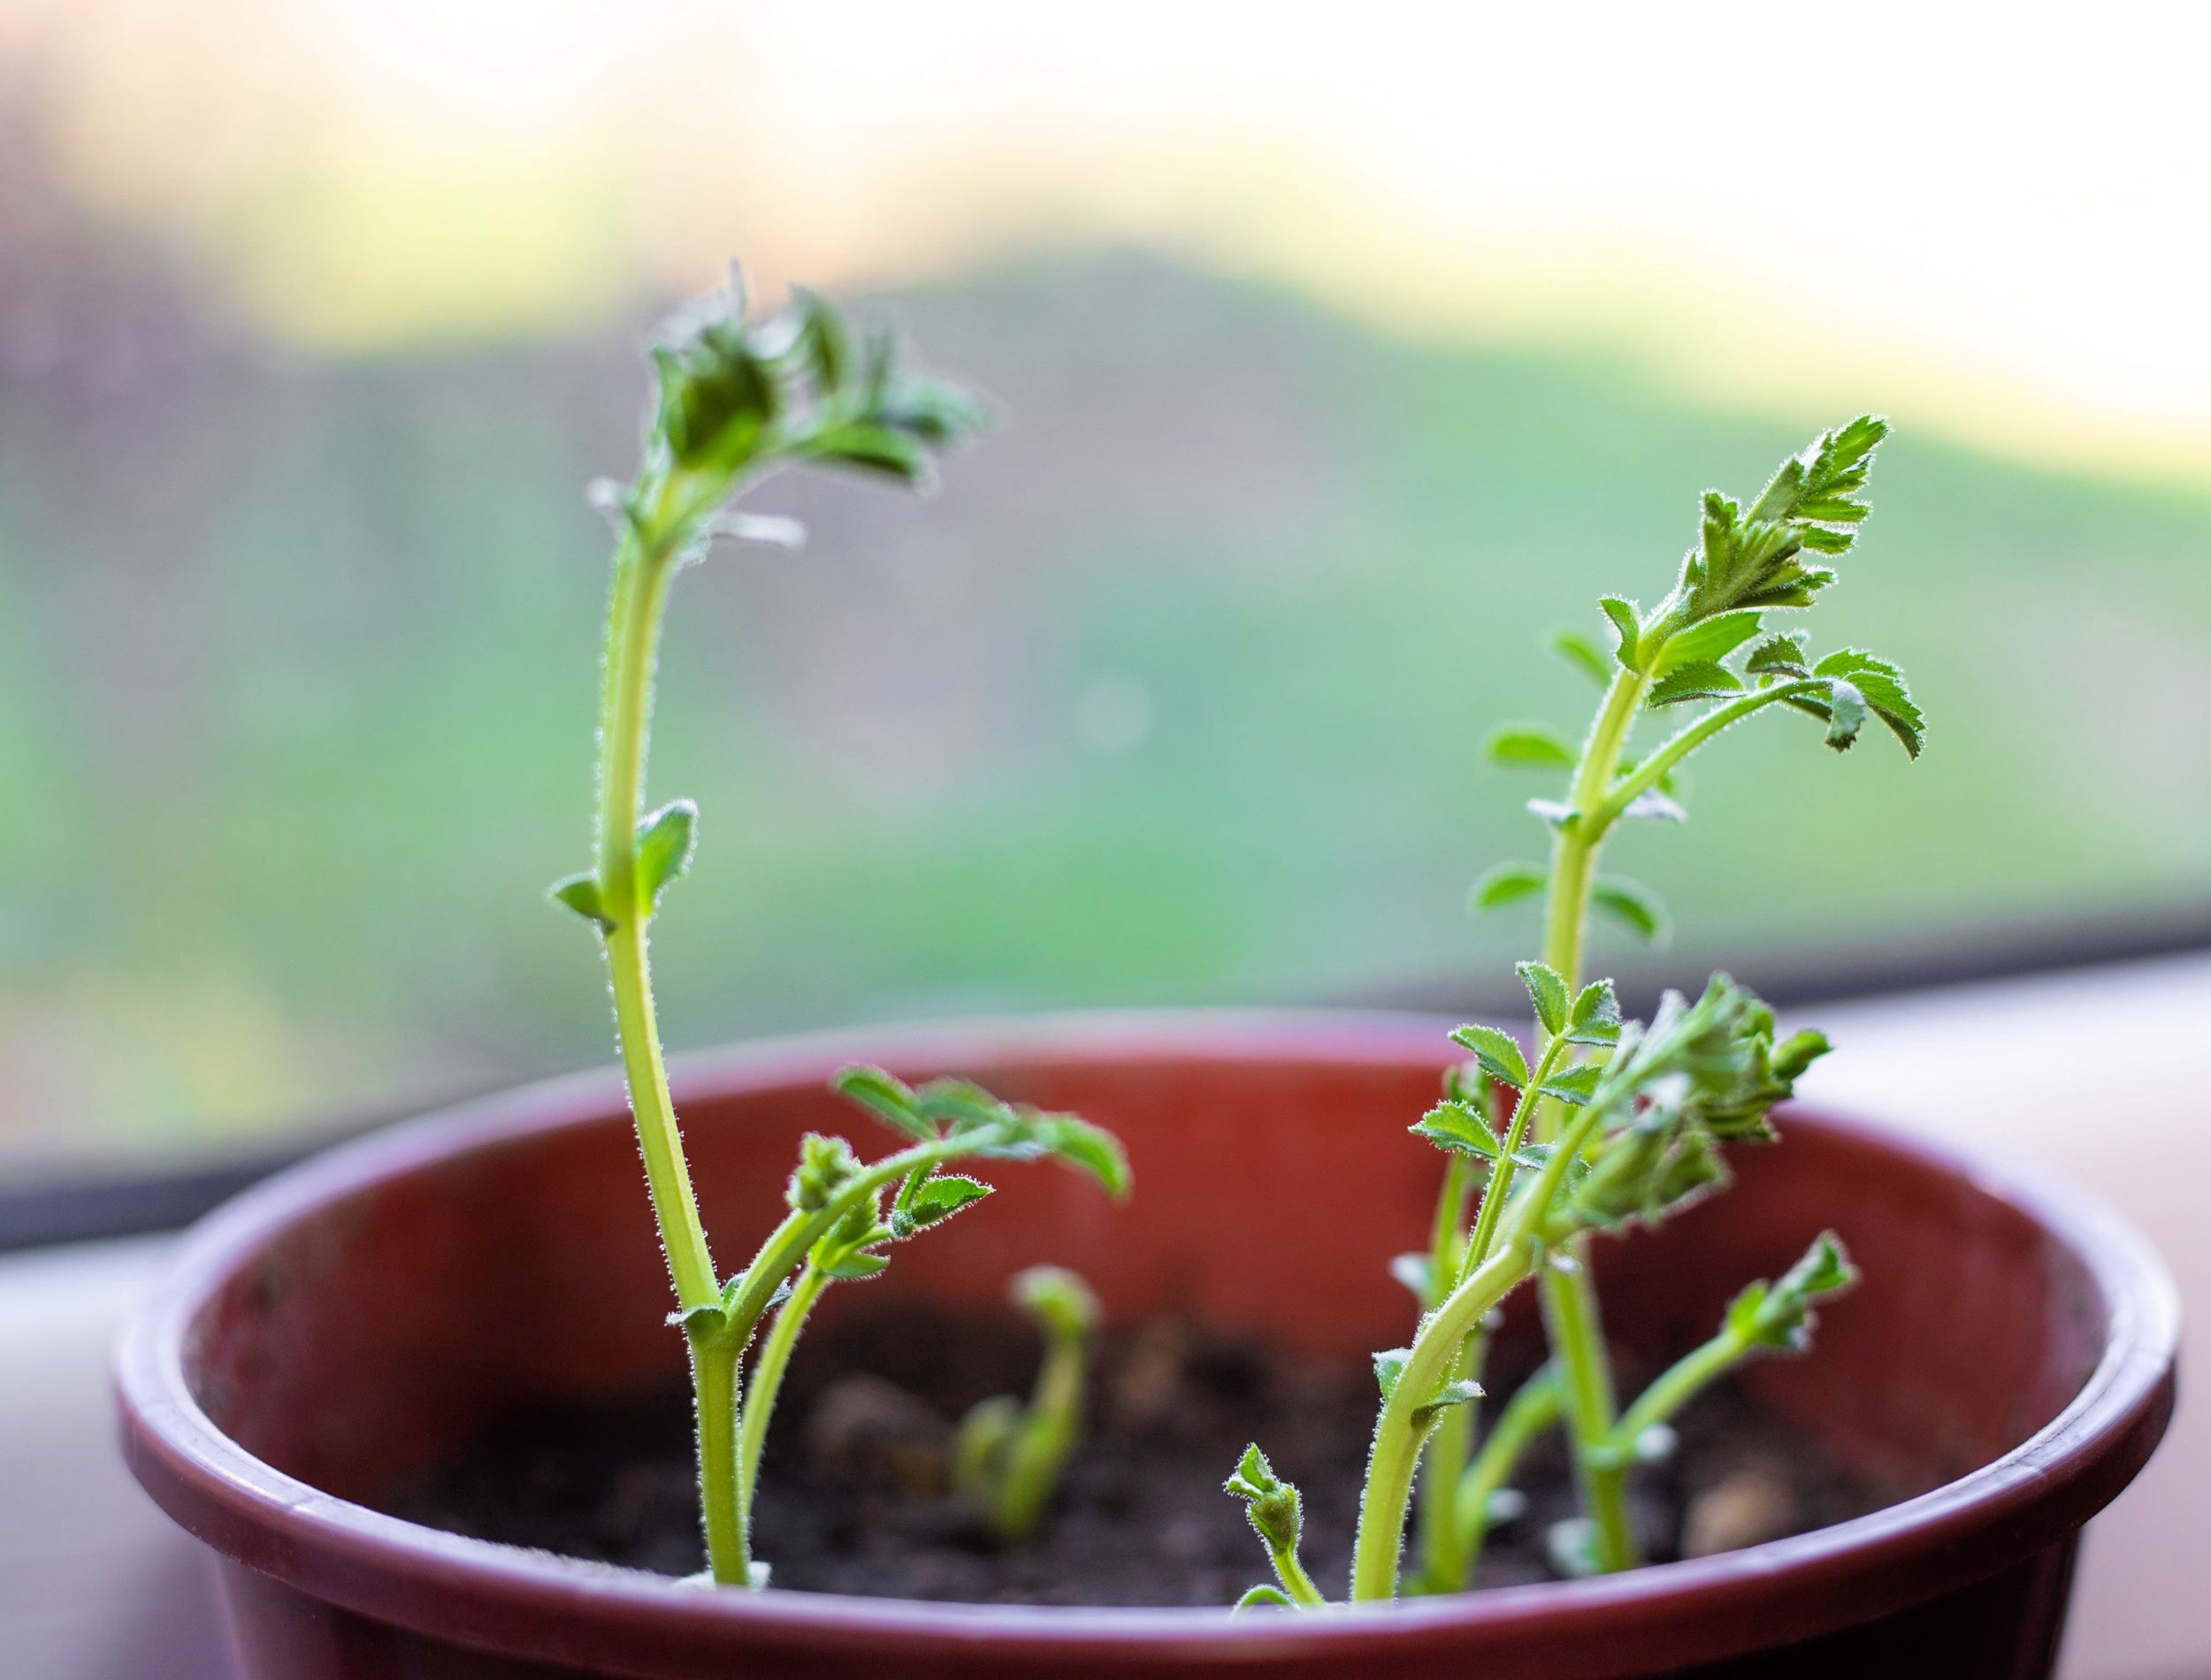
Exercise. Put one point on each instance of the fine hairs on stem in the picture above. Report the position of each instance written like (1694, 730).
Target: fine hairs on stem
(1611, 1123)
(741, 396)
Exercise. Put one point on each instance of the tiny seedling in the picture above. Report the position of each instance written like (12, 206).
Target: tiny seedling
(1609, 1123)
(740, 397)
(1008, 1456)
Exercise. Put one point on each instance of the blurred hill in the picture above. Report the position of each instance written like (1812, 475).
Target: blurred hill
(1172, 694)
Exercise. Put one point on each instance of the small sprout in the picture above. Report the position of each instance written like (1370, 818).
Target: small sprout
(1617, 1124)
(1277, 1516)
(739, 396)
(1008, 1458)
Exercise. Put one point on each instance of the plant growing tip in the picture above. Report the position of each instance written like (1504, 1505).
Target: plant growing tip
(738, 397)
(1592, 1123)
(1007, 1457)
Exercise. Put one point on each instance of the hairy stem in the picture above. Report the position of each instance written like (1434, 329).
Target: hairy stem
(714, 1385)
(1670, 756)
(640, 595)
(1676, 1385)
(767, 1381)
(1453, 1441)
(1570, 1305)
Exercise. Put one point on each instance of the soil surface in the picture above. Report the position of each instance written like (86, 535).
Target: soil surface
(854, 1498)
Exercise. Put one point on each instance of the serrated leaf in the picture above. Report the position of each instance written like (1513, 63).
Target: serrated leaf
(935, 1200)
(1453, 1126)
(1634, 905)
(1883, 687)
(1582, 653)
(1650, 806)
(1507, 883)
(1575, 1085)
(1499, 1053)
(1548, 992)
(580, 894)
(1529, 745)
(886, 1097)
(1707, 643)
(858, 1265)
(1625, 626)
(663, 848)
(1699, 680)
(1596, 1019)
(1780, 655)
(959, 1103)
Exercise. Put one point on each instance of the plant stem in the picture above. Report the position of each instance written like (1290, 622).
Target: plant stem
(767, 1381)
(713, 1387)
(1045, 1437)
(1532, 1409)
(1437, 1544)
(1676, 1385)
(1662, 763)
(1296, 1582)
(1398, 1437)
(639, 596)
(1570, 1305)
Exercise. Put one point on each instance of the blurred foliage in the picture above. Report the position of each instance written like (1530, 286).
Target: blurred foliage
(1174, 694)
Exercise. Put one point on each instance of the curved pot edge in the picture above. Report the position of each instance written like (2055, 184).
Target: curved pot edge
(334, 1548)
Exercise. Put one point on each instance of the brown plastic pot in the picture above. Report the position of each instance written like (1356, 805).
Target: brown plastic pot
(357, 1318)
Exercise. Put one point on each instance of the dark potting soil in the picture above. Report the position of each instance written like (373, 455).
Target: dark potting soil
(853, 1495)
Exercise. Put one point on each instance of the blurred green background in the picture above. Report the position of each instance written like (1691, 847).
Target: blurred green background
(1173, 695)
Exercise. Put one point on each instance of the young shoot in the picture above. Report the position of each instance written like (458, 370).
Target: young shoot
(740, 397)
(1595, 1123)
(1008, 1456)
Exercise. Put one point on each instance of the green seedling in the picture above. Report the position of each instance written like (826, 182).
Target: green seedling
(1611, 1123)
(739, 397)
(1008, 1456)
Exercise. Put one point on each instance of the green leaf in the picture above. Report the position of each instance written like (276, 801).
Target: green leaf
(1548, 992)
(1575, 1085)
(935, 1200)
(1882, 686)
(857, 1265)
(1091, 1148)
(1275, 1508)
(1707, 643)
(887, 1098)
(1778, 1315)
(1780, 655)
(663, 848)
(1499, 1054)
(1634, 905)
(1582, 653)
(877, 448)
(580, 894)
(1698, 680)
(1509, 883)
(1389, 1368)
(1453, 1126)
(1262, 1596)
(1625, 626)
(1596, 1016)
(1458, 1393)
(1529, 745)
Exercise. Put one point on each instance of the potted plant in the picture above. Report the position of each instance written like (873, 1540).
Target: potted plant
(351, 1381)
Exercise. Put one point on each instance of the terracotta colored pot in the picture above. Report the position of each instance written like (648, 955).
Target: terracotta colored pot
(357, 1318)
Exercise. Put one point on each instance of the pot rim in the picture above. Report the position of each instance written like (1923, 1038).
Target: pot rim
(442, 1583)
